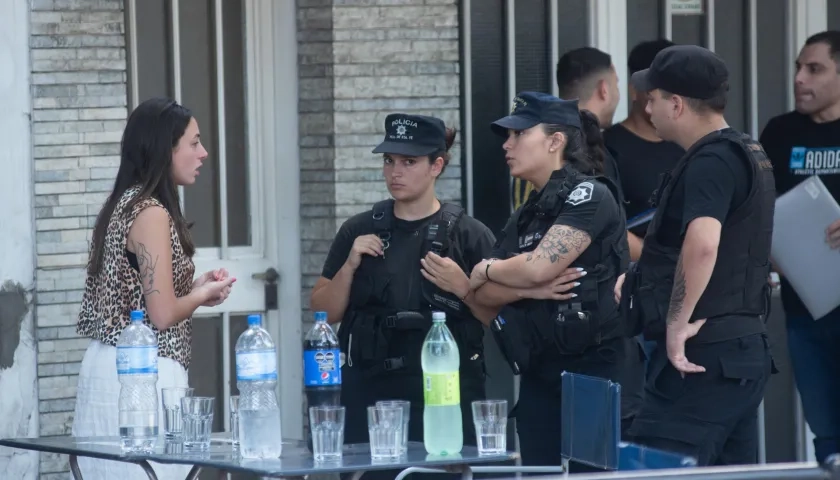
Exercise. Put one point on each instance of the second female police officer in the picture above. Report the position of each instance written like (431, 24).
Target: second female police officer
(390, 267)
(573, 220)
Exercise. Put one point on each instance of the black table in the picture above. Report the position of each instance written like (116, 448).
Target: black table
(295, 462)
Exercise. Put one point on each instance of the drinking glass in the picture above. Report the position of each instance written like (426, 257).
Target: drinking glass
(406, 408)
(490, 418)
(197, 413)
(385, 426)
(171, 398)
(327, 423)
(234, 419)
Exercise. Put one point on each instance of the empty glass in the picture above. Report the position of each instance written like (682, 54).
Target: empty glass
(385, 426)
(490, 418)
(234, 419)
(197, 413)
(327, 424)
(406, 408)
(171, 399)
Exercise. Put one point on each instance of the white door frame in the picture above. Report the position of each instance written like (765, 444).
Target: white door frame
(271, 45)
(274, 180)
(608, 33)
(804, 18)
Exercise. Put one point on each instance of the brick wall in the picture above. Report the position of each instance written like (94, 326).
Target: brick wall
(78, 114)
(360, 61)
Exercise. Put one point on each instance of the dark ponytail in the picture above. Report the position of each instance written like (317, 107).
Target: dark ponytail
(587, 156)
(450, 140)
(594, 139)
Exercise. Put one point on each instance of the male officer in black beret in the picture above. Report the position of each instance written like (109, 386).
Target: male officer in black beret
(700, 287)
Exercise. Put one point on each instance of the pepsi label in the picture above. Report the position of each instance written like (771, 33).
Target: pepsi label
(321, 367)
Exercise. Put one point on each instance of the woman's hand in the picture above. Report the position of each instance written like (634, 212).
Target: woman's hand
(364, 245)
(215, 292)
(218, 274)
(558, 288)
(445, 274)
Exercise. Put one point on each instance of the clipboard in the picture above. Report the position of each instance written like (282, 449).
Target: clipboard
(641, 218)
(799, 248)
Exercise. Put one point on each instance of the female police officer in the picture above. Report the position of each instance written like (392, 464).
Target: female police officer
(573, 220)
(390, 267)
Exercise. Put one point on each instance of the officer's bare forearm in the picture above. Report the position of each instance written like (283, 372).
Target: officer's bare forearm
(560, 246)
(483, 313)
(332, 296)
(694, 268)
(636, 245)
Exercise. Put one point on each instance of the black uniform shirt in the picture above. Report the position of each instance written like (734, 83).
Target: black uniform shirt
(715, 183)
(798, 148)
(641, 164)
(596, 212)
(471, 243)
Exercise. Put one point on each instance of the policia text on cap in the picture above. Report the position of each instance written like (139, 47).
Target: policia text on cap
(700, 287)
(390, 267)
(573, 220)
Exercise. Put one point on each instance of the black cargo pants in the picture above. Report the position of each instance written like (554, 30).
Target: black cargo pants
(711, 416)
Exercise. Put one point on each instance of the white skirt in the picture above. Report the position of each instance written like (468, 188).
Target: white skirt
(97, 412)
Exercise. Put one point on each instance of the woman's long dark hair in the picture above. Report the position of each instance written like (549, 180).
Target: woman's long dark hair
(151, 134)
(585, 148)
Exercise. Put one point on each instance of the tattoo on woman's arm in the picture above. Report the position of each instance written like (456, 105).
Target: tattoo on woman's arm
(559, 241)
(147, 266)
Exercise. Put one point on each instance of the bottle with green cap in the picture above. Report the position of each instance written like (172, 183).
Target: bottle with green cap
(443, 433)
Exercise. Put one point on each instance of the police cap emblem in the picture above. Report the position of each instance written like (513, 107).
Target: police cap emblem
(581, 194)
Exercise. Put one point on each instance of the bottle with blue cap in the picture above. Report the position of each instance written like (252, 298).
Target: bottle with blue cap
(137, 369)
(321, 367)
(256, 378)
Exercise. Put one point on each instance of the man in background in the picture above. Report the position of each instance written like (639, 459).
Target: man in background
(800, 144)
(641, 156)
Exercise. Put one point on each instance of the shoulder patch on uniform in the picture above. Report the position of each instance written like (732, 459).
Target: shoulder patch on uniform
(581, 194)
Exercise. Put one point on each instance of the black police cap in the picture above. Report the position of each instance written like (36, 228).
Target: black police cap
(685, 70)
(413, 135)
(533, 108)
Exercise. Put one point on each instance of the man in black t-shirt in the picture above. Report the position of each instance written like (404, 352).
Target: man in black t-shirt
(642, 157)
(705, 262)
(588, 75)
(800, 144)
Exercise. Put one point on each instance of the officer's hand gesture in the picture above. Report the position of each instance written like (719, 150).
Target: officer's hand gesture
(558, 289)
(478, 276)
(364, 245)
(676, 335)
(445, 274)
(832, 235)
(617, 290)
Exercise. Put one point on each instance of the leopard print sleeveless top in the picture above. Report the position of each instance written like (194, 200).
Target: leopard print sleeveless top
(110, 296)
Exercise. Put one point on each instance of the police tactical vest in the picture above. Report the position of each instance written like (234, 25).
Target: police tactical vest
(738, 285)
(531, 331)
(376, 335)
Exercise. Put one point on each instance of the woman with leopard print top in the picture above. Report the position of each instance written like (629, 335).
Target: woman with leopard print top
(141, 259)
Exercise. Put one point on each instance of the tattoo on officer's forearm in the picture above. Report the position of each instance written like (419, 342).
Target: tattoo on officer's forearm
(678, 293)
(558, 242)
(147, 269)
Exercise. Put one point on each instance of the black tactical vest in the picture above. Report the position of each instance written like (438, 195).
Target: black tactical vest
(531, 331)
(738, 286)
(377, 336)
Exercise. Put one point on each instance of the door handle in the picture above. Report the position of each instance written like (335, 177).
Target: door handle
(270, 276)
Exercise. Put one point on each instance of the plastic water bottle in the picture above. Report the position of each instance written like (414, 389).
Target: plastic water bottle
(137, 369)
(442, 429)
(321, 367)
(256, 378)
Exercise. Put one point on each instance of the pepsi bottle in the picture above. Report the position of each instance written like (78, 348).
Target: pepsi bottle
(321, 367)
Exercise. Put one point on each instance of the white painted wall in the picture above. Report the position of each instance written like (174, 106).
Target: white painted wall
(19, 400)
